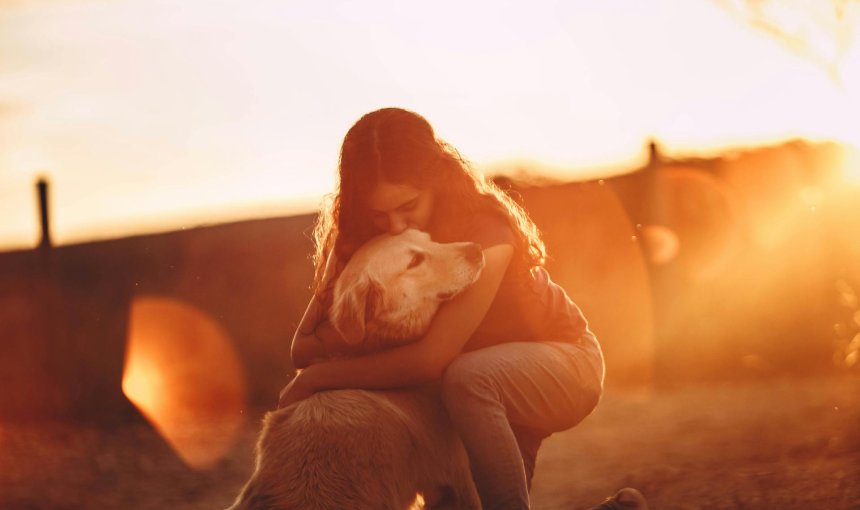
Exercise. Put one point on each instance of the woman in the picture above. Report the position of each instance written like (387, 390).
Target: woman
(515, 356)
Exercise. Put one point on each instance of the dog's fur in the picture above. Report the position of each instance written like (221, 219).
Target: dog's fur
(375, 450)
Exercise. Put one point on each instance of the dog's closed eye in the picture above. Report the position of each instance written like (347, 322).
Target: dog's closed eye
(417, 259)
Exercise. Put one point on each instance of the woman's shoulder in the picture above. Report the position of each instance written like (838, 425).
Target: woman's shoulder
(489, 228)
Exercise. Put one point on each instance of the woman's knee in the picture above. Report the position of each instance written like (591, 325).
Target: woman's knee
(466, 377)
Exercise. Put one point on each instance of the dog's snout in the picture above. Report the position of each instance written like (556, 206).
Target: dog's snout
(473, 253)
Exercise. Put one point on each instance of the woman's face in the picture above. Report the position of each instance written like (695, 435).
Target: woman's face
(396, 207)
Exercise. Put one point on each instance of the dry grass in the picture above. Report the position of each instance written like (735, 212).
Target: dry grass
(774, 444)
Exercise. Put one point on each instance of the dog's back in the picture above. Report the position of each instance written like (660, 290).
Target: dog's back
(358, 449)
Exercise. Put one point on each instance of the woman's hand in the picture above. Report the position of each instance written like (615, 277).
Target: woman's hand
(307, 350)
(323, 344)
(300, 388)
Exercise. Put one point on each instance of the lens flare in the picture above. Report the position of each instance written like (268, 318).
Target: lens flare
(696, 223)
(853, 350)
(597, 259)
(182, 373)
(770, 187)
(850, 166)
(661, 244)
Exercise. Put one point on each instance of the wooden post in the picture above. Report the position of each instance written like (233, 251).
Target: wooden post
(45, 241)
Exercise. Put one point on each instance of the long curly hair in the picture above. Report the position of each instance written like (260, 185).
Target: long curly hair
(400, 147)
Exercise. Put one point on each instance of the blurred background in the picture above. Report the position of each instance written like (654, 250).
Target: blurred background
(693, 166)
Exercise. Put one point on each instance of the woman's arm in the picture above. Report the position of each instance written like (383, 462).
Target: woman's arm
(420, 361)
(306, 347)
(315, 338)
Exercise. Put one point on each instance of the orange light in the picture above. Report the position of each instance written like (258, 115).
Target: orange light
(182, 373)
(661, 243)
(851, 166)
(696, 223)
(609, 280)
(418, 504)
(852, 352)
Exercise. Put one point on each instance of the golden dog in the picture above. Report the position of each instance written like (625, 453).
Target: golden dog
(373, 450)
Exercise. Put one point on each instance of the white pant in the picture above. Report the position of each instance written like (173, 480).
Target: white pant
(505, 399)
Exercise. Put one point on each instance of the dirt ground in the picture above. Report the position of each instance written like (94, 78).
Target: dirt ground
(765, 445)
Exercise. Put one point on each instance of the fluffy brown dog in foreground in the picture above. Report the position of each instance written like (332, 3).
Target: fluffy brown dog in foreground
(373, 450)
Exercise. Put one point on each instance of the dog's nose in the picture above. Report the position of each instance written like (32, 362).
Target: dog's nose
(473, 253)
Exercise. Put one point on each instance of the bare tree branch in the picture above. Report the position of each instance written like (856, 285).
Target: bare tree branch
(820, 30)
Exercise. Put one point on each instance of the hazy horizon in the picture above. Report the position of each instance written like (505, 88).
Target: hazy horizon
(148, 116)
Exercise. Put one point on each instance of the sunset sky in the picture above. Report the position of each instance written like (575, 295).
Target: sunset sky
(151, 115)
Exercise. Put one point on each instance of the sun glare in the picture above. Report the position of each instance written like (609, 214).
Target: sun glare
(143, 384)
(851, 166)
(253, 118)
(182, 373)
(661, 243)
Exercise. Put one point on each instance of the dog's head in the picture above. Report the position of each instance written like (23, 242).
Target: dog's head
(392, 286)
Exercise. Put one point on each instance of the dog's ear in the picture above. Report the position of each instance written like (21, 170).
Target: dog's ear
(353, 308)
